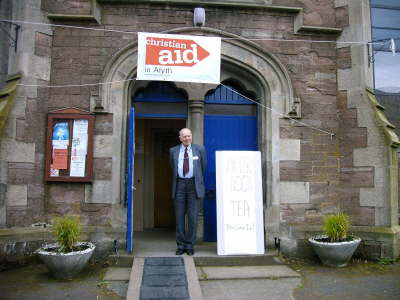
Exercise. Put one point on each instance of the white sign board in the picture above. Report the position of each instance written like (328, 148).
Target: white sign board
(240, 224)
(172, 57)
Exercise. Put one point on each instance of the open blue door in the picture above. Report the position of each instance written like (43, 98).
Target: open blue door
(223, 133)
(230, 123)
(130, 187)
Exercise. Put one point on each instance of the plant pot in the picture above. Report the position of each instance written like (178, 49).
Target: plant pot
(334, 254)
(65, 265)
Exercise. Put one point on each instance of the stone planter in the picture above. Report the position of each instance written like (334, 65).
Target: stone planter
(65, 265)
(334, 254)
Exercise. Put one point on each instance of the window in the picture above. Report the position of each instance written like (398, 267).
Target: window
(385, 20)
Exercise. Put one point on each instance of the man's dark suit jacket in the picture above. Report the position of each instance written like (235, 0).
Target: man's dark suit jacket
(199, 167)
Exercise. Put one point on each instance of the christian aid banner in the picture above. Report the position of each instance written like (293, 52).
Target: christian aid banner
(173, 57)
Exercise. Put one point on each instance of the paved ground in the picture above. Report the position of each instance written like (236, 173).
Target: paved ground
(359, 280)
(34, 282)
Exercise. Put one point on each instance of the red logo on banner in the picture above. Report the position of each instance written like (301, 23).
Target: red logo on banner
(173, 52)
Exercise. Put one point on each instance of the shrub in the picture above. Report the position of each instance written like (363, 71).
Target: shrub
(66, 230)
(336, 226)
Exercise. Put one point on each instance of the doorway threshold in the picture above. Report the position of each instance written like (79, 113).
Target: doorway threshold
(160, 242)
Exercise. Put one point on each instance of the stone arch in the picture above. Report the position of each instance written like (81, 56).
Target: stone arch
(242, 60)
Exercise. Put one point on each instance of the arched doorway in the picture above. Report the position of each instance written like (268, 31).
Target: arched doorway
(160, 112)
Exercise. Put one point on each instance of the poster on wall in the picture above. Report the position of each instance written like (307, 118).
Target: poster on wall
(240, 223)
(79, 148)
(172, 57)
(60, 159)
(60, 135)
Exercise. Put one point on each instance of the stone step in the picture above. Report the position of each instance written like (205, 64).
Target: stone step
(245, 272)
(117, 274)
(235, 260)
(121, 259)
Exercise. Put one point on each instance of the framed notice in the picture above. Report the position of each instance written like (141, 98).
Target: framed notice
(69, 146)
(240, 222)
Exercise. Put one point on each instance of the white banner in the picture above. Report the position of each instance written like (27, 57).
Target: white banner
(172, 57)
(240, 224)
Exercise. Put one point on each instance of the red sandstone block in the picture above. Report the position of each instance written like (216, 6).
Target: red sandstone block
(295, 170)
(358, 177)
(95, 214)
(318, 170)
(21, 173)
(357, 137)
(323, 139)
(98, 60)
(332, 148)
(88, 79)
(342, 99)
(93, 70)
(344, 58)
(36, 191)
(324, 49)
(93, 41)
(295, 132)
(66, 41)
(74, 7)
(342, 16)
(18, 216)
(309, 155)
(80, 32)
(64, 77)
(101, 51)
(333, 161)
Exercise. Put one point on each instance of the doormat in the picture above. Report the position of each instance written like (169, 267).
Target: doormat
(164, 278)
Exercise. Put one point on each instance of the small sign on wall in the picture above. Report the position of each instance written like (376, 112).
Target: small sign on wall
(240, 224)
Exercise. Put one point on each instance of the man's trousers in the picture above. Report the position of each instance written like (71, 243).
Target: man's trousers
(186, 203)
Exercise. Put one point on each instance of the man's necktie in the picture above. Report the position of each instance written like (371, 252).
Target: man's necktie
(185, 162)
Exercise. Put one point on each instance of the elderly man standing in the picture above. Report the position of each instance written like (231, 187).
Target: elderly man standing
(188, 162)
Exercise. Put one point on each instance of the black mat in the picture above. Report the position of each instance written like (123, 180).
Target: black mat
(164, 278)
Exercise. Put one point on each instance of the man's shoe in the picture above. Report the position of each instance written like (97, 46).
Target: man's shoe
(190, 252)
(179, 252)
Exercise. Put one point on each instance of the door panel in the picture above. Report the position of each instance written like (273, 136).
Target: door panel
(129, 192)
(223, 133)
(163, 207)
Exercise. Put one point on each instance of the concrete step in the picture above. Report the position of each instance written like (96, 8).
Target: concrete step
(245, 272)
(117, 274)
(269, 258)
(121, 259)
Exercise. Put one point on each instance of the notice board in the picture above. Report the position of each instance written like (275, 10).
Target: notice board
(240, 222)
(69, 146)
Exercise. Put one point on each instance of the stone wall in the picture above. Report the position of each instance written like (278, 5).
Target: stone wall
(71, 7)
(312, 67)
(5, 13)
(22, 145)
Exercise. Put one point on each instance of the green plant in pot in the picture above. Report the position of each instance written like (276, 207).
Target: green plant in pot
(336, 246)
(67, 257)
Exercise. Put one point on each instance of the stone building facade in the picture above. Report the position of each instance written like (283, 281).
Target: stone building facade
(289, 55)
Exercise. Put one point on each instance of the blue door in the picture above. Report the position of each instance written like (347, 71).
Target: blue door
(129, 188)
(235, 130)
